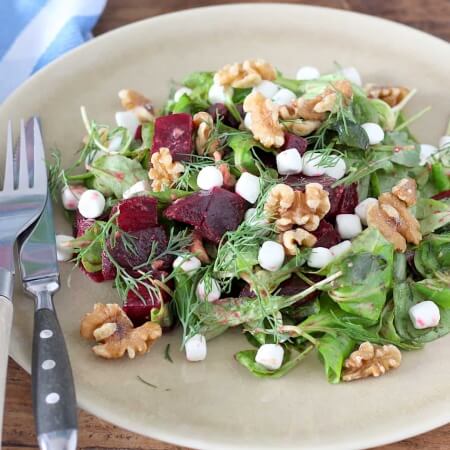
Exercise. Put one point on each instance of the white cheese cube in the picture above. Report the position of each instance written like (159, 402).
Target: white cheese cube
(248, 121)
(374, 132)
(289, 162)
(70, 196)
(444, 141)
(352, 75)
(425, 315)
(91, 204)
(208, 291)
(209, 177)
(195, 348)
(187, 264)
(362, 208)
(139, 188)
(319, 257)
(271, 256)
(128, 120)
(426, 151)
(348, 225)
(63, 251)
(267, 88)
(180, 92)
(270, 356)
(307, 73)
(341, 248)
(248, 187)
(337, 168)
(219, 94)
(284, 97)
(311, 164)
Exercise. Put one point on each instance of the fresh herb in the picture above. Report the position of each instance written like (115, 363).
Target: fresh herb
(147, 382)
(167, 354)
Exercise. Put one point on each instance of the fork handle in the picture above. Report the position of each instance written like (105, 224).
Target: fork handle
(54, 402)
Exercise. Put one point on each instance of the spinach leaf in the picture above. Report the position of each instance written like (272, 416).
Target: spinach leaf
(242, 145)
(240, 94)
(366, 275)
(333, 350)
(432, 257)
(247, 359)
(92, 257)
(364, 109)
(436, 290)
(113, 174)
(351, 134)
(432, 214)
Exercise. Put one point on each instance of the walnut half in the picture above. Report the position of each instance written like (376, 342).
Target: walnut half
(392, 95)
(371, 360)
(292, 240)
(164, 171)
(112, 329)
(138, 103)
(245, 75)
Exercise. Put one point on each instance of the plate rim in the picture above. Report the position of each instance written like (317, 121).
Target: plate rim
(415, 429)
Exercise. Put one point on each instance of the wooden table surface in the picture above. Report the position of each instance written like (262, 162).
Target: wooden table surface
(432, 16)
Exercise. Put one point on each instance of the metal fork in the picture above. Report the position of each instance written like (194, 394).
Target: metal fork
(22, 200)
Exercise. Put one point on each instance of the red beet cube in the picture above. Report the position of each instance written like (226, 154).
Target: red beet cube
(190, 210)
(326, 235)
(94, 276)
(295, 285)
(81, 224)
(138, 133)
(108, 268)
(137, 213)
(441, 196)
(175, 133)
(349, 200)
(293, 141)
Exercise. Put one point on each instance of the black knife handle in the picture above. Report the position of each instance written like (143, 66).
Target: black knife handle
(54, 402)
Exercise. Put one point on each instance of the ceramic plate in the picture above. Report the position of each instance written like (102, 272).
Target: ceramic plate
(218, 404)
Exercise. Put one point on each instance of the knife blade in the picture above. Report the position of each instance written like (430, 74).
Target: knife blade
(54, 401)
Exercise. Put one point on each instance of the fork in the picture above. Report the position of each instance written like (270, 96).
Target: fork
(22, 200)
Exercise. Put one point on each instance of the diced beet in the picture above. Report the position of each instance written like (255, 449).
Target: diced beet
(326, 235)
(138, 309)
(441, 196)
(335, 196)
(135, 249)
(94, 276)
(212, 213)
(174, 132)
(137, 213)
(190, 210)
(220, 110)
(138, 133)
(295, 285)
(81, 224)
(349, 200)
(108, 269)
(225, 212)
(293, 141)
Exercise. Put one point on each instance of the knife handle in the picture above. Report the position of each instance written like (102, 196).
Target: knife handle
(54, 402)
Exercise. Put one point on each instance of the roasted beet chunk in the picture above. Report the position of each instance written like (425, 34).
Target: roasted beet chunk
(175, 133)
(81, 224)
(295, 285)
(190, 210)
(294, 141)
(136, 213)
(219, 110)
(134, 249)
(326, 235)
(349, 200)
(441, 196)
(225, 212)
(108, 268)
(94, 276)
(212, 213)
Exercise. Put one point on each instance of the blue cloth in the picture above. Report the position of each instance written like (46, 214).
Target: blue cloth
(35, 32)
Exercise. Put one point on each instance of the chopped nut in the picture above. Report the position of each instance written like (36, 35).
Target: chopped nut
(392, 217)
(406, 190)
(164, 171)
(315, 109)
(204, 123)
(305, 208)
(198, 249)
(293, 239)
(111, 327)
(265, 125)
(138, 103)
(248, 74)
(371, 360)
(302, 127)
(392, 95)
(229, 180)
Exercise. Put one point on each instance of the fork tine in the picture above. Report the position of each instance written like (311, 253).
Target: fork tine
(8, 179)
(40, 167)
(24, 174)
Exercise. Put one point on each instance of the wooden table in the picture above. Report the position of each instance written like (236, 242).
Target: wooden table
(432, 16)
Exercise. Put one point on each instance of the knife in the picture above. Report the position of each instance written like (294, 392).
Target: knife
(54, 402)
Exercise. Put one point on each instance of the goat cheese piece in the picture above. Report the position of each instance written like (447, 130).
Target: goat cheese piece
(283, 97)
(425, 315)
(289, 162)
(248, 187)
(208, 291)
(270, 356)
(307, 73)
(337, 169)
(267, 88)
(63, 252)
(70, 196)
(348, 225)
(341, 248)
(187, 264)
(271, 256)
(374, 132)
(128, 120)
(180, 92)
(319, 257)
(311, 164)
(209, 177)
(362, 208)
(91, 204)
(196, 348)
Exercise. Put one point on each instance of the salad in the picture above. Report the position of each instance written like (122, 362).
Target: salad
(302, 210)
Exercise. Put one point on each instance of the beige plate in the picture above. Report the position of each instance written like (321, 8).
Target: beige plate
(218, 404)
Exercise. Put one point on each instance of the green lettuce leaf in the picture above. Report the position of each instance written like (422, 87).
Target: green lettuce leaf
(432, 214)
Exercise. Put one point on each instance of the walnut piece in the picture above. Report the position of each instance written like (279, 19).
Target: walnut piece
(112, 329)
(392, 95)
(198, 249)
(392, 217)
(204, 124)
(406, 190)
(315, 109)
(371, 360)
(164, 171)
(304, 208)
(292, 240)
(138, 103)
(265, 125)
(302, 127)
(245, 75)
